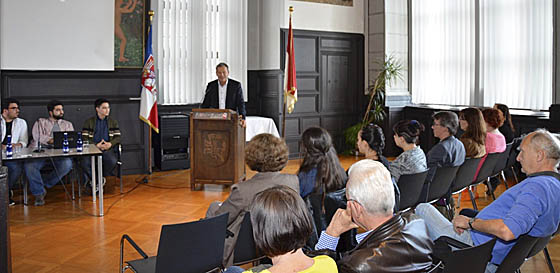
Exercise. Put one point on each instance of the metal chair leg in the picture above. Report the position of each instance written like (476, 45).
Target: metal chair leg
(489, 185)
(25, 185)
(504, 179)
(472, 199)
(548, 260)
(514, 174)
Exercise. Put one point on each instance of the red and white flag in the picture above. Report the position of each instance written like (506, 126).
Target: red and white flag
(290, 84)
(148, 103)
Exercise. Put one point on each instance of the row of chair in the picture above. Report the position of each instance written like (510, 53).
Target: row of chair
(454, 180)
(193, 247)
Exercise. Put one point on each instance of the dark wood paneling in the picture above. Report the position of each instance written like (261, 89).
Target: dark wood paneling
(305, 55)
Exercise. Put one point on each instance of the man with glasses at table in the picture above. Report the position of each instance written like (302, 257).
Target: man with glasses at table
(15, 127)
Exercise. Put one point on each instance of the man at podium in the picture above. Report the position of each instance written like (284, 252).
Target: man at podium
(225, 93)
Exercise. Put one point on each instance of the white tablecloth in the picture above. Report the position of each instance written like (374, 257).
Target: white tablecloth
(259, 125)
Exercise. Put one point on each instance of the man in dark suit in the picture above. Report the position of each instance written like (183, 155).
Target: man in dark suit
(225, 93)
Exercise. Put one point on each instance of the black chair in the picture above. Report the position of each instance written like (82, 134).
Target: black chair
(333, 201)
(485, 172)
(463, 178)
(245, 250)
(439, 187)
(410, 186)
(526, 247)
(501, 166)
(466, 259)
(192, 247)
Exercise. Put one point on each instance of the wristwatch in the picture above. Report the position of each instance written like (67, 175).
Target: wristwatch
(471, 221)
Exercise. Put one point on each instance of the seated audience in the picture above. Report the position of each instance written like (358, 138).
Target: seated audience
(412, 159)
(43, 133)
(507, 129)
(531, 207)
(281, 226)
(371, 142)
(15, 127)
(320, 172)
(267, 155)
(495, 141)
(390, 243)
(102, 131)
(472, 123)
(449, 152)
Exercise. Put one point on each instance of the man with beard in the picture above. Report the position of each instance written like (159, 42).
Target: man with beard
(43, 132)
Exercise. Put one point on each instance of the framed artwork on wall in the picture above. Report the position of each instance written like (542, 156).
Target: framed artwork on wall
(129, 33)
(332, 2)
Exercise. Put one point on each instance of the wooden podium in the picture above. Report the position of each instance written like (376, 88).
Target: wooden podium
(217, 147)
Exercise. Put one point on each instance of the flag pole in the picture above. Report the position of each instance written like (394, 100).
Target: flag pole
(285, 105)
(151, 14)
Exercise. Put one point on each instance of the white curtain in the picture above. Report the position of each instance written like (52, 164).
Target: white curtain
(443, 51)
(193, 36)
(516, 52)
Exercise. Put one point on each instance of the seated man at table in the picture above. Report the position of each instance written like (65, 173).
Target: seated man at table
(103, 131)
(531, 207)
(43, 133)
(15, 127)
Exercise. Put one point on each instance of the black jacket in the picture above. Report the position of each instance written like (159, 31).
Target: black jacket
(234, 97)
(401, 244)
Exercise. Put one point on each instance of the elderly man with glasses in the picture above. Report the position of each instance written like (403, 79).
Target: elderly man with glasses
(391, 243)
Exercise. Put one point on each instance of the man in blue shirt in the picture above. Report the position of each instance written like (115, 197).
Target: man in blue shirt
(530, 207)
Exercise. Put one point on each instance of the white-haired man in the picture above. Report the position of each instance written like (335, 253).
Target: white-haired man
(370, 201)
(529, 207)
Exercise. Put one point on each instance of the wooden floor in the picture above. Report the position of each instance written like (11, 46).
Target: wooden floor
(63, 236)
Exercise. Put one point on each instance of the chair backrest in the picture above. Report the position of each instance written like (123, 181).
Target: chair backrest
(192, 247)
(465, 174)
(470, 260)
(502, 161)
(410, 186)
(333, 201)
(525, 247)
(487, 167)
(245, 250)
(441, 183)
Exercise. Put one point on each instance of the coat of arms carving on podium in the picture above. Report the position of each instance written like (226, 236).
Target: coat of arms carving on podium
(215, 147)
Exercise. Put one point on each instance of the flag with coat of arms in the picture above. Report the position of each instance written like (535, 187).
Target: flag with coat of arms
(148, 102)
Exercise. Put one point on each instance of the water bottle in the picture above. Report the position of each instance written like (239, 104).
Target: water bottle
(79, 143)
(65, 148)
(9, 147)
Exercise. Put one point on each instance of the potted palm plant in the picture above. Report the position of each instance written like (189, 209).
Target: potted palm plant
(391, 70)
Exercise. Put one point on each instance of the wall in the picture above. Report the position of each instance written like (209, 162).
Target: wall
(265, 23)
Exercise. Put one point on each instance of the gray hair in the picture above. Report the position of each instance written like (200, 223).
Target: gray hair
(447, 119)
(370, 184)
(544, 140)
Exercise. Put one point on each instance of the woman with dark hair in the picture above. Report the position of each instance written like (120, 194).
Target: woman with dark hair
(281, 226)
(474, 136)
(320, 171)
(413, 159)
(371, 142)
(507, 128)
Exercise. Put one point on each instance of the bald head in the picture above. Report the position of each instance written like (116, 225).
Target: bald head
(539, 151)
(369, 183)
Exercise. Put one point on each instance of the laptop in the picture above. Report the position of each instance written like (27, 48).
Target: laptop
(58, 138)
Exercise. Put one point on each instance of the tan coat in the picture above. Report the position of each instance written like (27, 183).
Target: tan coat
(242, 194)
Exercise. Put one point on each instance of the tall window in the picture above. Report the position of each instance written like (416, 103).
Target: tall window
(193, 36)
(482, 52)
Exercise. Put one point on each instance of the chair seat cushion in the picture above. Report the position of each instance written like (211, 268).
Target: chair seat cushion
(144, 265)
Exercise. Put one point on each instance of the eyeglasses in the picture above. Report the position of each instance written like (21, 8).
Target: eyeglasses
(12, 108)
